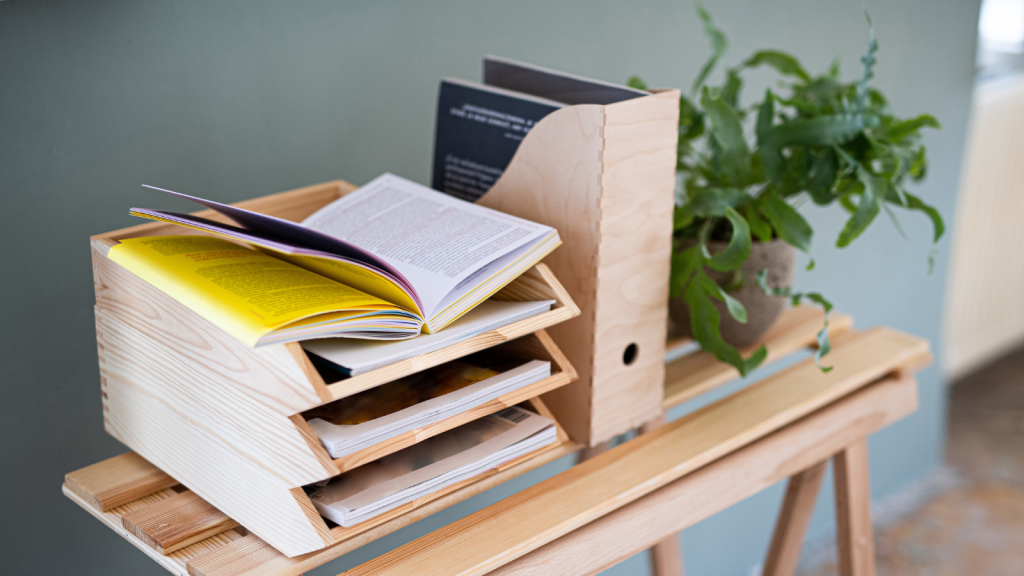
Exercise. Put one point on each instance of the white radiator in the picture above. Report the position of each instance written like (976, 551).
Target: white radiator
(985, 294)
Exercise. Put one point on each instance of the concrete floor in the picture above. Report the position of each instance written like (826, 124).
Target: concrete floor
(975, 528)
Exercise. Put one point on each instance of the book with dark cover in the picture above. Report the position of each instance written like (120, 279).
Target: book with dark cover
(479, 126)
(478, 131)
(545, 83)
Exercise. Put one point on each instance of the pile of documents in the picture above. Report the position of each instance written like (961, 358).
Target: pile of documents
(379, 414)
(431, 465)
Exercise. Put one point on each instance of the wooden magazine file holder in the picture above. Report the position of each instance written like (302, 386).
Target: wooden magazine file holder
(225, 419)
(604, 177)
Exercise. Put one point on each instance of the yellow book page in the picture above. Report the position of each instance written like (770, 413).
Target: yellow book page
(349, 274)
(356, 277)
(245, 292)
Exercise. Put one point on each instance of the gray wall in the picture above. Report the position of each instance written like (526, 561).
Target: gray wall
(236, 99)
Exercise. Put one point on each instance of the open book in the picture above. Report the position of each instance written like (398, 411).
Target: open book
(431, 465)
(406, 254)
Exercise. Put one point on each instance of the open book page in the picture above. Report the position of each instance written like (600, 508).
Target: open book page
(251, 295)
(489, 279)
(324, 255)
(433, 240)
(288, 234)
(356, 357)
(430, 465)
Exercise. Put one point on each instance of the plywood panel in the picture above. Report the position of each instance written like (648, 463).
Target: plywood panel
(603, 177)
(637, 184)
(555, 179)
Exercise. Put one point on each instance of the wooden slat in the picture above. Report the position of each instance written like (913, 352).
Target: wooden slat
(667, 557)
(854, 534)
(232, 560)
(177, 522)
(117, 481)
(175, 562)
(706, 492)
(794, 517)
(249, 556)
(698, 373)
(523, 522)
(667, 554)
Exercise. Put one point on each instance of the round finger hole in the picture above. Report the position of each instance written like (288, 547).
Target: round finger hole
(629, 354)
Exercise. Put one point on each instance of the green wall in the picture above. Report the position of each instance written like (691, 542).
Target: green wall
(235, 99)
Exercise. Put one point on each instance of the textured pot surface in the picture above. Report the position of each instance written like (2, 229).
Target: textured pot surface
(762, 310)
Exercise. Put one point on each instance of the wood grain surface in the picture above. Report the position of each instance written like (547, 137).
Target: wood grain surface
(537, 515)
(177, 522)
(603, 177)
(117, 481)
(699, 373)
(706, 492)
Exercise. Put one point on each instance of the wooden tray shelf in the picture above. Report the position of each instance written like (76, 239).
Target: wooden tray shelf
(225, 419)
(698, 373)
(536, 346)
(537, 283)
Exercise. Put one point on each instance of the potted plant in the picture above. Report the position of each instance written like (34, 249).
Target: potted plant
(736, 220)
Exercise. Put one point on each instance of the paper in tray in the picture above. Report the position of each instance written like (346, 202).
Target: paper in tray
(355, 357)
(431, 465)
(373, 416)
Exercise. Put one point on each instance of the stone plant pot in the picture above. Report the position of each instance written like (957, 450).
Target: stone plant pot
(762, 310)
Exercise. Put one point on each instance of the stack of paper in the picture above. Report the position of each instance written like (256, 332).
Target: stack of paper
(355, 357)
(431, 465)
(341, 440)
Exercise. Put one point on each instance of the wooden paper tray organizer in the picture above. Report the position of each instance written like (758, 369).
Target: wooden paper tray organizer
(225, 420)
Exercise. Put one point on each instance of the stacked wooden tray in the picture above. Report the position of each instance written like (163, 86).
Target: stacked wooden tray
(225, 420)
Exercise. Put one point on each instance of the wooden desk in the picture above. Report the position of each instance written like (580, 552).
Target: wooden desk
(644, 491)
